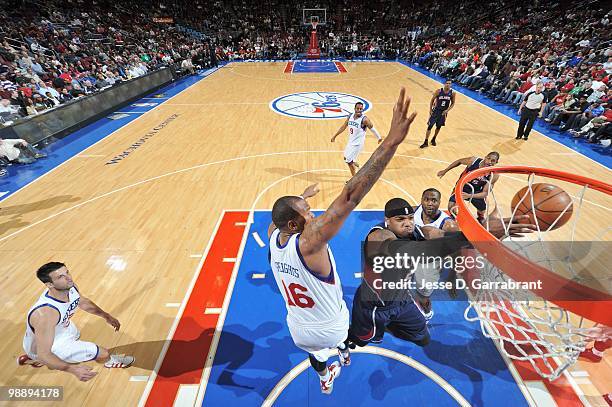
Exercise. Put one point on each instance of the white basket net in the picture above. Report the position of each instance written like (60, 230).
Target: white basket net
(532, 329)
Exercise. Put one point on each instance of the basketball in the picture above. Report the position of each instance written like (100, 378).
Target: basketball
(549, 202)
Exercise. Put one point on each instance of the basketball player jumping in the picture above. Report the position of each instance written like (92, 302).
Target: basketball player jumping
(357, 124)
(51, 339)
(378, 311)
(475, 191)
(303, 264)
(375, 312)
(442, 101)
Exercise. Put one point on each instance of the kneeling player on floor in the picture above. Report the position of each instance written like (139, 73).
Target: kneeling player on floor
(51, 339)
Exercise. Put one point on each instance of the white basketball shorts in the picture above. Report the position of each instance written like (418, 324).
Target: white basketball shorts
(320, 340)
(66, 346)
(351, 152)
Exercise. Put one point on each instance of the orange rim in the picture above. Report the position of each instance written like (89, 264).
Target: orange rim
(586, 302)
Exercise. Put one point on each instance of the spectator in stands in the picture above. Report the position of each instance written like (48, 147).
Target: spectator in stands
(101, 81)
(6, 107)
(50, 101)
(564, 115)
(65, 96)
(578, 120)
(187, 66)
(604, 132)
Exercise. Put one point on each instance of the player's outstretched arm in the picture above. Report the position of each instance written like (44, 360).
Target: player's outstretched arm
(456, 163)
(88, 305)
(341, 129)
(320, 231)
(43, 321)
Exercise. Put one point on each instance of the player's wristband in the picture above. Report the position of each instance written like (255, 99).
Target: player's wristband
(375, 133)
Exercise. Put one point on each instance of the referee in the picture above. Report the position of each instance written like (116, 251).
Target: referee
(530, 109)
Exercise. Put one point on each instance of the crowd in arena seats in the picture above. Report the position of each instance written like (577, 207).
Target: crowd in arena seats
(569, 51)
(54, 52)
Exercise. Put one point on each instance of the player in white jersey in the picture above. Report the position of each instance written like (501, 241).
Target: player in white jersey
(52, 339)
(357, 123)
(303, 264)
(428, 214)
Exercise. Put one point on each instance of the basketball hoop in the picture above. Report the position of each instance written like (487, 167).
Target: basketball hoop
(546, 327)
(314, 24)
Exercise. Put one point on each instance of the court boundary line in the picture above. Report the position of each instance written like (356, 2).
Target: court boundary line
(405, 63)
(109, 134)
(212, 351)
(293, 77)
(162, 355)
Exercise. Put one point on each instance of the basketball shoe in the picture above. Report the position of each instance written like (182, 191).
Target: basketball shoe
(344, 356)
(595, 353)
(119, 361)
(327, 386)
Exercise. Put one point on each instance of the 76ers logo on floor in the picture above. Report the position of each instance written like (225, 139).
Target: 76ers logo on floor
(317, 105)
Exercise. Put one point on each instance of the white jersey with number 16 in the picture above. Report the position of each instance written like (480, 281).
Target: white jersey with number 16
(310, 300)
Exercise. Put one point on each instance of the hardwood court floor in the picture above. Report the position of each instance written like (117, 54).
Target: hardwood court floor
(127, 230)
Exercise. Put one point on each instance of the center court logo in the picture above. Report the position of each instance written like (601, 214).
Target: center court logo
(317, 105)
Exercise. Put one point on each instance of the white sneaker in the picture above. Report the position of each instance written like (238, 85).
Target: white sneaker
(119, 361)
(334, 371)
(345, 356)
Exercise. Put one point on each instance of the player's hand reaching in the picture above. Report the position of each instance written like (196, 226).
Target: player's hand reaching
(441, 173)
(112, 321)
(310, 191)
(516, 227)
(333, 139)
(380, 140)
(401, 121)
(82, 372)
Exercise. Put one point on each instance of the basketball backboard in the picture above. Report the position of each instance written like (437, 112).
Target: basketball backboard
(310, 15)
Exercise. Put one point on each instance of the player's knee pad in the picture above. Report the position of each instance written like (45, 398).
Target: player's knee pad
(317, 365)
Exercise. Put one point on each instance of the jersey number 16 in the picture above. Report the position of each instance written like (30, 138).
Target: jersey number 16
(295, 296)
